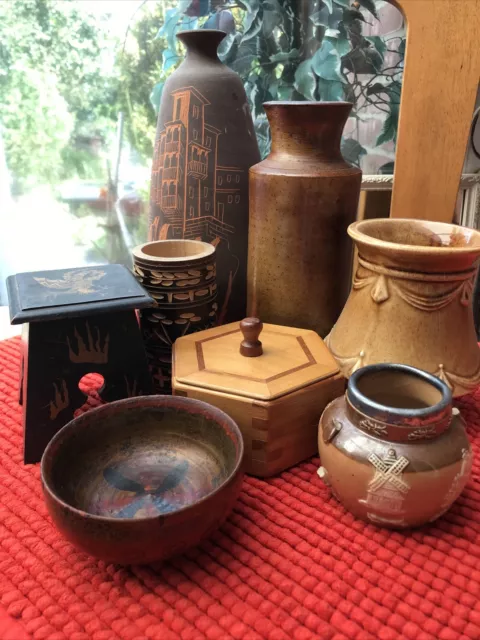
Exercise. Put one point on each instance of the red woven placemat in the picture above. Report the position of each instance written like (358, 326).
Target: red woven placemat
(289, 564)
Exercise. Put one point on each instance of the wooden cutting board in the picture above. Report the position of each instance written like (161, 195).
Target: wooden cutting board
(442, 71)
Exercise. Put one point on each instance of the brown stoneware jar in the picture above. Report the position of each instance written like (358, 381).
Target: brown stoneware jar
(204, 147)
(393, 451)
(303, 196)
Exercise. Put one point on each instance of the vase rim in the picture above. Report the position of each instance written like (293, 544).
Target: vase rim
(309, 103)
(210, 31)
(446, 236)
(408, 417)
(171, 250)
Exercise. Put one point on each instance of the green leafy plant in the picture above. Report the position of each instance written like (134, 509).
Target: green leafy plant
(53, 89)
(140, 66)
(288, 50)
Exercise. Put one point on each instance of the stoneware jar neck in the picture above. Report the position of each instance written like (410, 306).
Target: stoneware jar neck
(202, 44)
(398, 402)
(418, 246)
(307, 129)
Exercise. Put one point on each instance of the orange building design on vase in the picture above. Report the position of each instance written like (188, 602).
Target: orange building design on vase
(193, 196)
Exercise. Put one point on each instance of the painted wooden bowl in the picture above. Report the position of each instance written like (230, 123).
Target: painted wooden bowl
(142, 479)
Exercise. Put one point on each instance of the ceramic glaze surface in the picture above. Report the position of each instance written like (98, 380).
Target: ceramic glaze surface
(302, 199)
(204, 146)
(411, 301)
(397, 465)
(139, 480)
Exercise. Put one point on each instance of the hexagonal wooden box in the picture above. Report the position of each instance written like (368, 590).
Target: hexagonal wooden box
(276, 398)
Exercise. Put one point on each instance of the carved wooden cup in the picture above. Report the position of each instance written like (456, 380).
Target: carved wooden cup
(392, 450)
(181, 277)
(411, 301)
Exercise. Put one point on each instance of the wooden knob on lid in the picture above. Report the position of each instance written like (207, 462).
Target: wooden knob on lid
(251, 347)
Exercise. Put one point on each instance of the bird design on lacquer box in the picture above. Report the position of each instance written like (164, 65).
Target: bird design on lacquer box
(74, 281)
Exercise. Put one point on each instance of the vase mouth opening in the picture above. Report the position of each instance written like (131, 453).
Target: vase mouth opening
(398, 393)
(403, 234)
(190, 35)
(173, 250)
(308, 103)
(210, 31)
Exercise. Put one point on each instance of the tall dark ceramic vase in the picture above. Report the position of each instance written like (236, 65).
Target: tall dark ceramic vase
(302, 199)
(204, 147)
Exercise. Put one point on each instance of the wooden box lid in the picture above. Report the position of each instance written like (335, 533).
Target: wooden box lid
(72, 293)
(291, 359)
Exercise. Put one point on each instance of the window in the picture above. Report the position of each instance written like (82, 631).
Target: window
(178, 106)
(53, 159)
(191, 212)
(220, 179)
(195, 134)
(230, 199)
(237, 199)
(207, 206)
(229, 178)
(205, 192)
(190, 192)
(220, 211)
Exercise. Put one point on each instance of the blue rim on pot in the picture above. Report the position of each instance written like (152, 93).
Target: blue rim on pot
(363, 403)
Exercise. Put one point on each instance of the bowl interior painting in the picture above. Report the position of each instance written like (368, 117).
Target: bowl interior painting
(150, 462)
(417, 233)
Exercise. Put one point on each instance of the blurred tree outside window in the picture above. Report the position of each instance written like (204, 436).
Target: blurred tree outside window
(69, 68)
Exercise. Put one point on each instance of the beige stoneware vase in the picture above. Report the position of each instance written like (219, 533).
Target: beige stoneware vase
(411, 301)
(392, 449)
